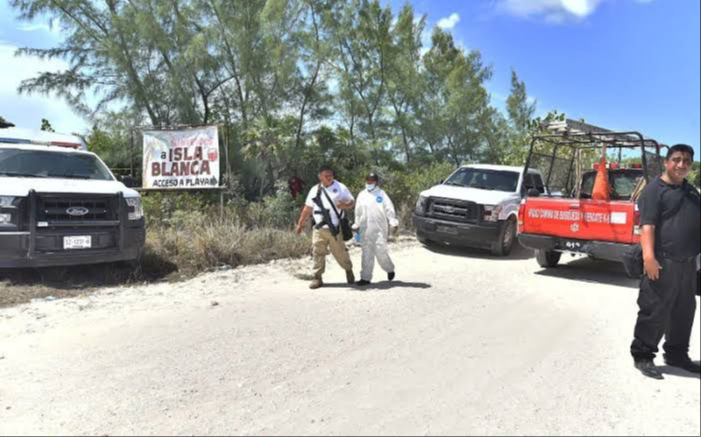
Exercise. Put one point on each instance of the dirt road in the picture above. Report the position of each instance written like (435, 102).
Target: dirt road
(461, 344)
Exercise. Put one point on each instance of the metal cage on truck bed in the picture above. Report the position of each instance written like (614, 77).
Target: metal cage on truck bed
(562, 156)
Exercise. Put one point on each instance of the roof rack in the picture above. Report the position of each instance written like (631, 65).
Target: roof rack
(577, 133)
(577, 136)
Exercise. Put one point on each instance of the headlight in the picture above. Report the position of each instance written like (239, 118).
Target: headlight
(491, 212)
(6, 201)
(421, 205)
(136, 209)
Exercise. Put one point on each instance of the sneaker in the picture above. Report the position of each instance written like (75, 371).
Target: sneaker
(316, 284)
(684, 363)
(648, 368)
(391, 276)
(350, 277)
(363, 283)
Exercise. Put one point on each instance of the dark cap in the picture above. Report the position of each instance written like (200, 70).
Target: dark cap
(373, 177)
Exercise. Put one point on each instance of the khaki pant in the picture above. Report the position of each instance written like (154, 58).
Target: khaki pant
(322, 241)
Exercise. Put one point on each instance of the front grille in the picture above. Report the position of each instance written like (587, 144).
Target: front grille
(56, 209)
(453, 210)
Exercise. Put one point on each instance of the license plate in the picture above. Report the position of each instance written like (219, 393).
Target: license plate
(72, 243)
(573, 245)
(447, 230)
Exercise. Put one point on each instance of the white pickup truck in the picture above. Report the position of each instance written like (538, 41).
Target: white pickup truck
(476, 206)
(60, 206)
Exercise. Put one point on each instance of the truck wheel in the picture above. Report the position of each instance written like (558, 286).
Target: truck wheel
(135, 266)
(547, 258)
(507, 239)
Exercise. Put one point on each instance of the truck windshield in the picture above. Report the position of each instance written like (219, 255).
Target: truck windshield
(485, 179)
(623, 183)
(40, 164)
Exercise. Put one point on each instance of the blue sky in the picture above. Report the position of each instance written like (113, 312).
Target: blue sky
(621, 64)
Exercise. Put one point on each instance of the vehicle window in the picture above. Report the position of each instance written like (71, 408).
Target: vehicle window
(623, 182)
(39, 164)
(485, 179)
(535, 181)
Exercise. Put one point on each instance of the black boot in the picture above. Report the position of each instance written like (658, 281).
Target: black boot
(363, 283)
(684, 363)
(648, 368)
(391, 276)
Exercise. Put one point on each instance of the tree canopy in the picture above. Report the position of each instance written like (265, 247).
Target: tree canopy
(294, 82)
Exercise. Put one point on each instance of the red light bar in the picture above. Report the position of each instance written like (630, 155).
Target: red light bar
(62, 144)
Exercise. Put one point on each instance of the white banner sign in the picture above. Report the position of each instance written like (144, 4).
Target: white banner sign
(182, 160)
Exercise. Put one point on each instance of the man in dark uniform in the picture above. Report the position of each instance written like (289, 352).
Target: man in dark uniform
(670, 214)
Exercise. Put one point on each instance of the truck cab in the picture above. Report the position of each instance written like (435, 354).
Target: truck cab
(60, 206)
(477, 206)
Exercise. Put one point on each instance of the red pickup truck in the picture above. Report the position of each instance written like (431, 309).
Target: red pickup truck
(563, 218)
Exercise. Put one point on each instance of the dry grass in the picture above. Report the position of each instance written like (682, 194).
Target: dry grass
(195, 247)
(173, 252)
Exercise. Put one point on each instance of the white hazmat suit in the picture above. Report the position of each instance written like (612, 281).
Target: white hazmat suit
(374, 214)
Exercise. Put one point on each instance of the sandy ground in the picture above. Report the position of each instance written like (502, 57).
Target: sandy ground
(461, 344)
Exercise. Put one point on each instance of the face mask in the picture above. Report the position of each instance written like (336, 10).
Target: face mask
(371, 187)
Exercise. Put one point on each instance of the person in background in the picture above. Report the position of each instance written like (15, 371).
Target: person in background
(374, 216)
(296, 185)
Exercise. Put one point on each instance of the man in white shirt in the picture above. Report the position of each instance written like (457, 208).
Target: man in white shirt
(327, 234)
(374, 216)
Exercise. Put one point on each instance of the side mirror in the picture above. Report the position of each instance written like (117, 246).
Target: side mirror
(533, 192)
(128, 181)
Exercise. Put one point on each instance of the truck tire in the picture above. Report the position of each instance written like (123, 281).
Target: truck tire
(547, 258)
(507, 238)
(135, 266)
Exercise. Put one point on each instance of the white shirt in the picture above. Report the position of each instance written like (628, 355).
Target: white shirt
(338, 193)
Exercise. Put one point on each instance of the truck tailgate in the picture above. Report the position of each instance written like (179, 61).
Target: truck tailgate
(580, 219)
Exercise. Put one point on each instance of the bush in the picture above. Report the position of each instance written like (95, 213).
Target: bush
(197, 245)
(186, 231)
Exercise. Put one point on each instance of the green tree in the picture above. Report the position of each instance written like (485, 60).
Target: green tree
(454, 102)
(291, 82)
(404, 73)
(115, 140)
(520, 126)
(360, 32)
(519, 107)
(4, 124)
(46, 126)
(695, 174)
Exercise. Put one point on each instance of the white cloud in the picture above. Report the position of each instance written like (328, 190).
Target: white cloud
(555, 11)
(446, 24)
(27, 110)
(449, 23)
